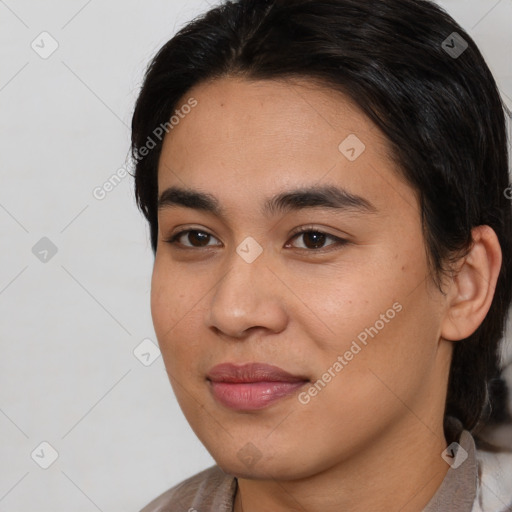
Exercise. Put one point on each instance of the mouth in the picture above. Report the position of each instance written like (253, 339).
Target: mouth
(252, 386)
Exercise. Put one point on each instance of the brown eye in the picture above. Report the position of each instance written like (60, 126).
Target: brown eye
(314, 239)
(195, 238)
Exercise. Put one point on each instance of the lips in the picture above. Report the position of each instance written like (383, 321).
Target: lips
(251, 372)
(252, 386)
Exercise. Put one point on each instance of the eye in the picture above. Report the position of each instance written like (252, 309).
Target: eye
(313, 239)
(195, 237)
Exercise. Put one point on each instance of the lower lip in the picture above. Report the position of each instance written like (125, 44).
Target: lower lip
(250, 396)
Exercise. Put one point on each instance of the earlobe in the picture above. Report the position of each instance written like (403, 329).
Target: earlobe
(473, 286)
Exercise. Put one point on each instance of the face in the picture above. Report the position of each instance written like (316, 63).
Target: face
(345, 307)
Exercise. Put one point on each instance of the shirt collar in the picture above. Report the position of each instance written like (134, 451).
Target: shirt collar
(458, 490)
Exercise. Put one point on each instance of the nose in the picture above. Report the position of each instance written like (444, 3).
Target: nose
(248, 297)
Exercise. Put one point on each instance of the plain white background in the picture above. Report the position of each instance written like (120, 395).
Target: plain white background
(69, 324)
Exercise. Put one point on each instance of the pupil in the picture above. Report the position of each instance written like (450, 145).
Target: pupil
(317, 239)
(198, 236)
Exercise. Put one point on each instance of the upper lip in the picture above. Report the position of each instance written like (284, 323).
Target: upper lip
(251, 372)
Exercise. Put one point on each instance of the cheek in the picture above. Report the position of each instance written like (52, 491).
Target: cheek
(349, 301)
(381, 314)
(377, 379)
(178, 303)
(164, 304)
(168, 309)
(397, 351)
(173, 295)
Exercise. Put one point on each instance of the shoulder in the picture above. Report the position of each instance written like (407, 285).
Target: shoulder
(210, 490)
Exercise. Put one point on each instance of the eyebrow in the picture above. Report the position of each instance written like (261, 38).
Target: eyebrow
(327, 196)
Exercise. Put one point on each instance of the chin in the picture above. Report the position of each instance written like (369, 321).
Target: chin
(267, 467)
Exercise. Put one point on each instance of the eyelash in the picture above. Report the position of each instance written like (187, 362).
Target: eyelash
(339, 242)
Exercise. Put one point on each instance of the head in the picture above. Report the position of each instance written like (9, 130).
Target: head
(278, 108)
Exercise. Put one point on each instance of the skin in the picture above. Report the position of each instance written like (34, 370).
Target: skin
(379, 422)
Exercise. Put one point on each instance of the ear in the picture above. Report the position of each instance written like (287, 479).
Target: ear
(472, 288)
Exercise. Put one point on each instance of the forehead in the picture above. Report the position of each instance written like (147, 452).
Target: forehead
(300, 113)
(250, 136)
